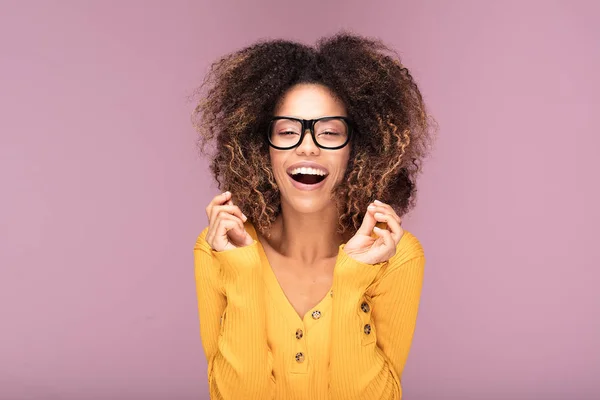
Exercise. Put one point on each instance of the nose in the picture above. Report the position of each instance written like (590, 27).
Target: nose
(307, 146)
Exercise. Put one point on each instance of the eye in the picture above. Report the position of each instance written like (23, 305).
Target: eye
(329, 133)
(287, 133)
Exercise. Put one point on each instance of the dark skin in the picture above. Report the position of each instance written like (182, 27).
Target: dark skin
(304, 284)
(303, 243)
(391, 135)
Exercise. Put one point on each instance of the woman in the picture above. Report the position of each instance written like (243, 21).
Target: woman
(308, 287)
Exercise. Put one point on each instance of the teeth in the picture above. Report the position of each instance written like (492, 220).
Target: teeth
(308, 171)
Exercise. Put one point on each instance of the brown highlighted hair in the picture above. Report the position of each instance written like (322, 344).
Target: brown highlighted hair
(392, 130)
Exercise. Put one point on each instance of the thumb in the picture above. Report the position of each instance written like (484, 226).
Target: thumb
(244, 238)
(240, 237)
(248, 240)
(237, 235)
(366, 228)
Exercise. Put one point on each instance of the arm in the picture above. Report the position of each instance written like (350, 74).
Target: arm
(229, 285)
(367, 364)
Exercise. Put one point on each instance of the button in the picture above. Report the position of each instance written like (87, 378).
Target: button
(299, 334)
(365, 307)
(300, 357)
(316, 314)
(367, 329)
(331, 293)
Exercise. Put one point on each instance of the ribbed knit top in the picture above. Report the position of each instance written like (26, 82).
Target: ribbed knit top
(352, 345)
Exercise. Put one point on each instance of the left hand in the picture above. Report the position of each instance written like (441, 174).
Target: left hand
(369, 249)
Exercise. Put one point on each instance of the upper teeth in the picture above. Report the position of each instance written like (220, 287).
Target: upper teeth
(308, 171)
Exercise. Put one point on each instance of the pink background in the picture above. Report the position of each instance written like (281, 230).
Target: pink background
(103, 192)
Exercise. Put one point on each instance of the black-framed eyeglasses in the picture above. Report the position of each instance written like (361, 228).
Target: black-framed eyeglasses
(329, 133)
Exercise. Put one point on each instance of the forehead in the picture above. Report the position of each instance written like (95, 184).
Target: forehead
(309, 101)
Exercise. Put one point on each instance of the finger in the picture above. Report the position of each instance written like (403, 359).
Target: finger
(231, 209)
(229, 223)
(221, 237)
(393, 225)
(388, 211)
(227, 228)
(242, 215)
(213, 212)
(386, 236)
(234, 210)
(368, 223)
(217, 200)
(218, 237)
(386, 208)
(231, 226)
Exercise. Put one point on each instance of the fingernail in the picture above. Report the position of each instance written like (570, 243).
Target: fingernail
(378, 202)
(245, 218)
(226, 193)
(371, 207)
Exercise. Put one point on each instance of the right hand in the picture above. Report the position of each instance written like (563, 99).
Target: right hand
(226, 224)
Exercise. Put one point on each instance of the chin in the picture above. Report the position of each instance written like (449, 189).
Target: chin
(309, 205)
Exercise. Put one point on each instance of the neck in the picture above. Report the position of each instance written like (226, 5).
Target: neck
(306, 237)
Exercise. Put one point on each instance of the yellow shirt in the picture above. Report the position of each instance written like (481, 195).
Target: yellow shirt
(352, 345)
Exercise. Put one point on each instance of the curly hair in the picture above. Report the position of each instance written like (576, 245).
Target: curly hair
(392, 130)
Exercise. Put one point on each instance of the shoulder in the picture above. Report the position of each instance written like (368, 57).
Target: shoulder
(201, 243)
(409, 246)
(409, 249)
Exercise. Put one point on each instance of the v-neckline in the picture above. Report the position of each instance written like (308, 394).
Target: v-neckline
(277, 292)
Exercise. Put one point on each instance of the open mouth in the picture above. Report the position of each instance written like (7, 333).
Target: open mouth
(308, 179)
(308, 176)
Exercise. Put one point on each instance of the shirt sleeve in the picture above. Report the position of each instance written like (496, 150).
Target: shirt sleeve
(232, 321)
(373, 320)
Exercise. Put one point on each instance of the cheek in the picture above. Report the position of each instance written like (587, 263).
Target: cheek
(344, 162)
(276, 163)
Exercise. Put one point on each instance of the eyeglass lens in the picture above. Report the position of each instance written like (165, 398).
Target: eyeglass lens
(328, 133)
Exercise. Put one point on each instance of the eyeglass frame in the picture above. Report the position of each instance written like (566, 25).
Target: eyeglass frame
(309, 124)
